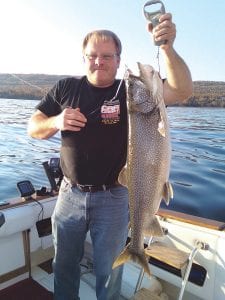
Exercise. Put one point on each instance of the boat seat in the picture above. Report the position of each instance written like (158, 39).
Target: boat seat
(169, 254)
(2, 219)
(178, 262)
(197, 274)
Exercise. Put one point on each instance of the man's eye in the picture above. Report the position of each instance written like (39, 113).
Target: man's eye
(92, 57)
(107, 56)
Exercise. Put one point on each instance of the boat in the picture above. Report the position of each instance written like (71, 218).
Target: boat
(188, 262)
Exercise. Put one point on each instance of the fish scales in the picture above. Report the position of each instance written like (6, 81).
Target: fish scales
(148, 160)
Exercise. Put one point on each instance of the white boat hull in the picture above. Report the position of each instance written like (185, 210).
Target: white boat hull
(21, 218)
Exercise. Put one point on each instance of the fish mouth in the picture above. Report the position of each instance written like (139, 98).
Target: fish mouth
(140, 92)
(129, 73)
(139, 70)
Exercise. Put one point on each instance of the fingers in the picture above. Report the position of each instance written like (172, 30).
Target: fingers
(165, 30)
(70, 119)
(164, 17)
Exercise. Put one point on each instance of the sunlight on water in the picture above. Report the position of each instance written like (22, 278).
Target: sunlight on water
(198, 156)
(21, 157)
(198, 161)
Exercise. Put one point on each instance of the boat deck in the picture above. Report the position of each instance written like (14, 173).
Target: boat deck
(131, 272)
(44, 276)
(87, 285)
(130, 277)
(41, 272)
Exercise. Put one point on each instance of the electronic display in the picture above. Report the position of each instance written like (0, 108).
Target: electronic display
(54, 165)
(54, 162)
(26, 188)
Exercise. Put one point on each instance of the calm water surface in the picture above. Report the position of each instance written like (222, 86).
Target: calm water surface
(198, 156)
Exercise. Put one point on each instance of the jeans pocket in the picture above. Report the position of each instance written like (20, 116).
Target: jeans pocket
(64, 187)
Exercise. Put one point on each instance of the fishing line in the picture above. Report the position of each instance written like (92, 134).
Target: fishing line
(35, 86)
(27, 83)
(158, 62)
(43, 90)
(111, 100)
(119, 86)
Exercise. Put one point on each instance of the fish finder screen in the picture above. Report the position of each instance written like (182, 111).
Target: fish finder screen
(54, 162)
(26, 188)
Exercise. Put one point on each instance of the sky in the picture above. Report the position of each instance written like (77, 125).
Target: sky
(45, 36)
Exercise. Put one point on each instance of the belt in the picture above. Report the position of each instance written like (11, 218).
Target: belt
(89, 188)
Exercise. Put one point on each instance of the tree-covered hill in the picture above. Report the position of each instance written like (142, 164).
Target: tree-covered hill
(34, 86)
(26, 86)
(207, 93)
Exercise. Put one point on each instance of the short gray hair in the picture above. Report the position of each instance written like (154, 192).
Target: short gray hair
(104, 35)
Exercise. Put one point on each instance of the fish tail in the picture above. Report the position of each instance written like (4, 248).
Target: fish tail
(127, 255)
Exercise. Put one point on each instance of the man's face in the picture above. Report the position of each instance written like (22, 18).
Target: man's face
(101, 62)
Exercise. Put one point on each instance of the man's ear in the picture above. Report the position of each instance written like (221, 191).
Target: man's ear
(118, 62)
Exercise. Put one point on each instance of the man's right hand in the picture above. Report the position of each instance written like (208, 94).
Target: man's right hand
(70, 119)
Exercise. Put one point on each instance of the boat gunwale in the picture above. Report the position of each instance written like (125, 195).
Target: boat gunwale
(163, 213)
(191, 219)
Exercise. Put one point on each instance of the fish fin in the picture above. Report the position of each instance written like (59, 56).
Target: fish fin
(123, 176)
(127, 255)
(153, 228)
(167, 192)
(124, 256)
(161, 126)
(129, 225)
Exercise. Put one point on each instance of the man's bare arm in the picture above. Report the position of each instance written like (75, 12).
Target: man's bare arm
(41, 126)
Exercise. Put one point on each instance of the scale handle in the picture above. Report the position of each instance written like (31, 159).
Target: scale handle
(153, 17)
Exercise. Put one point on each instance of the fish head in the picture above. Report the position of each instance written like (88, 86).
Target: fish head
(144, 90)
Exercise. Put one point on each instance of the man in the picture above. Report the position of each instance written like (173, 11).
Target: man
(93, 152)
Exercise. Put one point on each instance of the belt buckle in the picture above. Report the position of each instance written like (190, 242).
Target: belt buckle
(86, 188)
(90, 187)
(95, 188)
(81, 187)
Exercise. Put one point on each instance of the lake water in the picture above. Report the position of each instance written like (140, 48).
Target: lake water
(198, 156)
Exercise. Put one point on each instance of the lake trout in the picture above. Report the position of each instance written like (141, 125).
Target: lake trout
(148, 160)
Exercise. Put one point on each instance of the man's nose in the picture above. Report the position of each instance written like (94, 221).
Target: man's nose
(99, 60)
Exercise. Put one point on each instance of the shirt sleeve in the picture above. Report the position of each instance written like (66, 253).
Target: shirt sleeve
(50, 104)
(63, 93)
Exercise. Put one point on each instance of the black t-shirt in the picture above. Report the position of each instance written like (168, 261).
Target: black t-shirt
(96, 154)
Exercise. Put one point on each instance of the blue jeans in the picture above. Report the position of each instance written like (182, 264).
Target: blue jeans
(105, 214)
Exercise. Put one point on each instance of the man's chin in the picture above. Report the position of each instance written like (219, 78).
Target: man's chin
(101, 80)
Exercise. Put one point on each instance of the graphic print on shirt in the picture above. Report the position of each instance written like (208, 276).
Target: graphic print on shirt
(110, 112)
